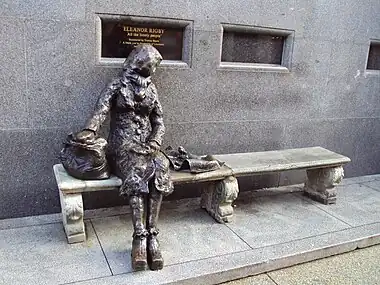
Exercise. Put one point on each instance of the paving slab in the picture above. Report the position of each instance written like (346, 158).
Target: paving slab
(360, 179)
(185, 235)
(40, 255)
(233, 266)
(356, 205)
(375, 184)
(360, 267)
(269, 220)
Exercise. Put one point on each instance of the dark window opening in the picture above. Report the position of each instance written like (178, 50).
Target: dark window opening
(252, 47)
(374, 56)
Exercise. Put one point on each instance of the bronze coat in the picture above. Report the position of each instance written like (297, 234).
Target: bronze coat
(136, 120)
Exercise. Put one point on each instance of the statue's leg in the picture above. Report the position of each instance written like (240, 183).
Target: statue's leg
(155, 259)
(139, 253)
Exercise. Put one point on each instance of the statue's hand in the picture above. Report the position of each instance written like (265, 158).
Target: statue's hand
(85, 135)
(154, 146)
(141, 148)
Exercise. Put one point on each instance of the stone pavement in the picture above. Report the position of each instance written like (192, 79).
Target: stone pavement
(272, 229)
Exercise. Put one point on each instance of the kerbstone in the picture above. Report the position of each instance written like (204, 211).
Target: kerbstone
(354, 268)
(41, 255)
(184, 236)
(255, 280)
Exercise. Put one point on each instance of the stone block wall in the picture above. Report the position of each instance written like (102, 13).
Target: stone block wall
(50, 79)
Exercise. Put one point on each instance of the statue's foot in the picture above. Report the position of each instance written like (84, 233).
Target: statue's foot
(139, 254)
(155, 260)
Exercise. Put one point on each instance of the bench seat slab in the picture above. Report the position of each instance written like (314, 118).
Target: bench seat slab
(252, 163)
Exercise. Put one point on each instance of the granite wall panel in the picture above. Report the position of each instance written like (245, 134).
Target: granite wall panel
(51, 78)
(73, 10)
(13, 91)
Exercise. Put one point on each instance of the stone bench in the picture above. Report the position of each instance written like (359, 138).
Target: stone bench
(324, 172)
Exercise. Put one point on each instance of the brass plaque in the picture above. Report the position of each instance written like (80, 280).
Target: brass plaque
(120, 37)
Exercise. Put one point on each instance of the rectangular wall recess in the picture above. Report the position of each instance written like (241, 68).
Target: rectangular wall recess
(373, 62)
(256, 48)
(117, 35)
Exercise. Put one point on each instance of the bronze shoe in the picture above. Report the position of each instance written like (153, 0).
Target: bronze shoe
(155, 260)
(139, 253)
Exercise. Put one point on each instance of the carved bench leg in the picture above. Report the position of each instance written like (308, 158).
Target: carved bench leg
(218, 197)
(72, 212)
(320, 184)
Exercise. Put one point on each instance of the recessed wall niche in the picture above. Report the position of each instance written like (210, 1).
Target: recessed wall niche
(257, 48)
(373, 62)
(118, 35)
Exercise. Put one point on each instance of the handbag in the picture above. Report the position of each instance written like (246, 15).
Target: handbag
(85, 160)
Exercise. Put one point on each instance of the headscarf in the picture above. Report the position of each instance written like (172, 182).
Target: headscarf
(143, 56)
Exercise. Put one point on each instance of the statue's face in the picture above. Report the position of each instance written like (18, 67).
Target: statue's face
(147, 68)
(144, 60)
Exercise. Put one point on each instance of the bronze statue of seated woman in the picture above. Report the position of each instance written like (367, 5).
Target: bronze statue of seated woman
(133, 151)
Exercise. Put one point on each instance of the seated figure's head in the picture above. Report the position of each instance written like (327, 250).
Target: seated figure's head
(144, 60)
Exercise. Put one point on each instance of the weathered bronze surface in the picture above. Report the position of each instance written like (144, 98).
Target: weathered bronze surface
(85, 160)
(182, 160)
(133, 152)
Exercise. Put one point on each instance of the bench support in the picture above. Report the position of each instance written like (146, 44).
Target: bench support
(320, 184)
(218, 197)
(72, 212)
